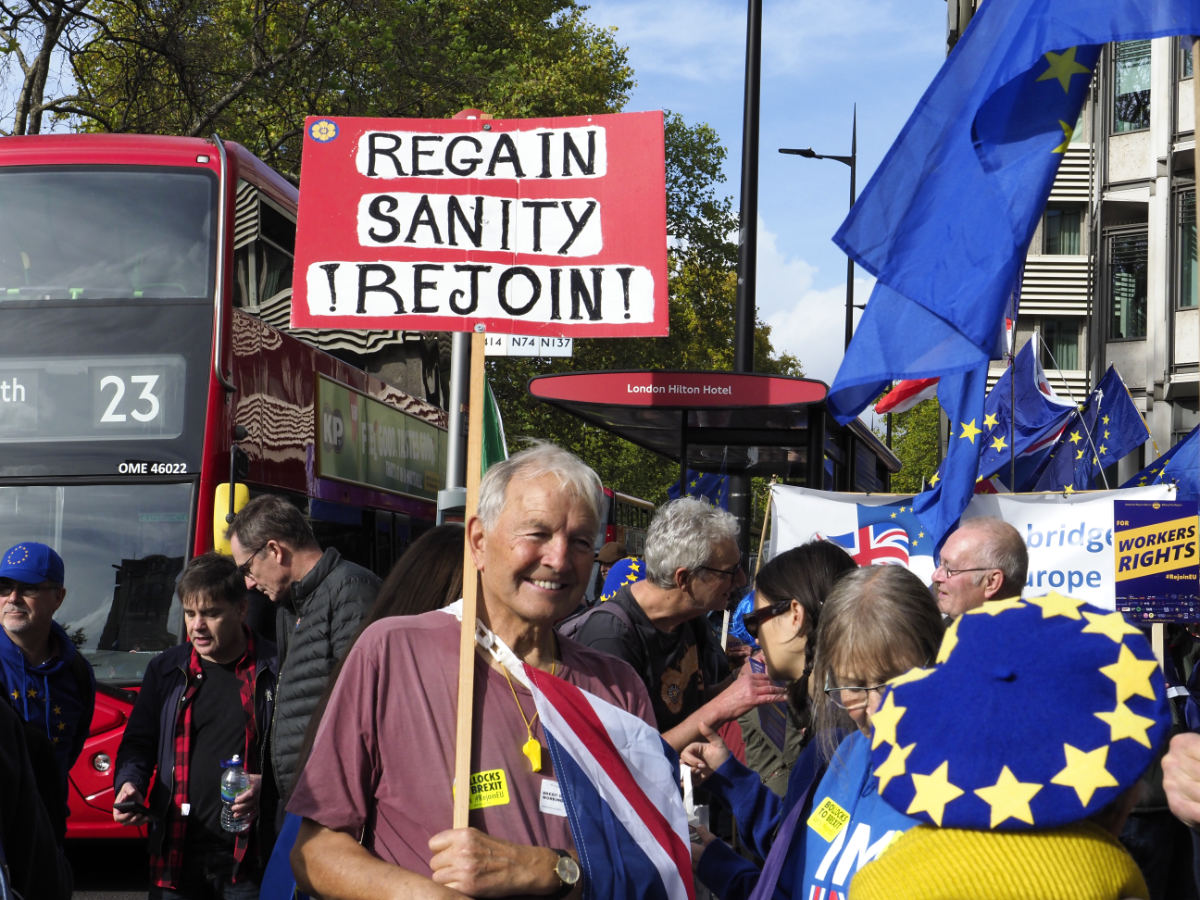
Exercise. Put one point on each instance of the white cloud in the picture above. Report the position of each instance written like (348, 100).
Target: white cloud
(807, 319)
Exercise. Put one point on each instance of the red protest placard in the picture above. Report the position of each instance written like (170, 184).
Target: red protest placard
(524, 226)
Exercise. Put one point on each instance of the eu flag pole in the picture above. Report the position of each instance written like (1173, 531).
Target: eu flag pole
(945, 222)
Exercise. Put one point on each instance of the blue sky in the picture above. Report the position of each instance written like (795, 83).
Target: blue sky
(819, 58)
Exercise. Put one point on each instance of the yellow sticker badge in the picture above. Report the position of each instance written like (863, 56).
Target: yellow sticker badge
(489, 788)
(827, 819)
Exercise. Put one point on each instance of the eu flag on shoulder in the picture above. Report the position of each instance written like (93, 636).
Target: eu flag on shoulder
(1178, 465)
(945, 222)
(1108, 427)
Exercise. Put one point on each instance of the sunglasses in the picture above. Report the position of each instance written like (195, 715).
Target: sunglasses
(752, 621)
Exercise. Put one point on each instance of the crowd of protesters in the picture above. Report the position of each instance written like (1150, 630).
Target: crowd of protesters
(873, 736)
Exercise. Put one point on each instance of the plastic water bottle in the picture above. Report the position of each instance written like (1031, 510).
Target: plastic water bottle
(234, 780)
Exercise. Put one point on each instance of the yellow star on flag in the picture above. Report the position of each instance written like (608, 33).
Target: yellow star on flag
(1123, 722)
(31, 693)
(933, 792)
(1085, 772)
(949, 640)
(1055, 604)
(1068, 133)
(969, 431)
(1075, 437)
(57, 710)
(1131, 675)
(1009, 798)
(1068, 488)
(934, 480)
(1104, 419)
(1103, 448)
(894, 765)
(998, 443)
(990, 421)
(1062, 67)
(1113, 625)
(995, 607)
(884, 722)
(1079, 455)
(914, 674)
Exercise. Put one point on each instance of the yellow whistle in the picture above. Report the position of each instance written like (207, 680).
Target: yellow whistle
(533, 751)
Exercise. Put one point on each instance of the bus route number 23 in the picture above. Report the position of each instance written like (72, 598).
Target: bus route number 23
(133, 397)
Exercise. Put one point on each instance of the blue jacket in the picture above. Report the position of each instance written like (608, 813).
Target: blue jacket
(59, 695)
(148, 745)
(850, 825)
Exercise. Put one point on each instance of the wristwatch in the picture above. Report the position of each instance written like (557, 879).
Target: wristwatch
(567, 871)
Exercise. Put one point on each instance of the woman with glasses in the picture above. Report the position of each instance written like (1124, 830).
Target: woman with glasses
(877, 623)
(786, 603)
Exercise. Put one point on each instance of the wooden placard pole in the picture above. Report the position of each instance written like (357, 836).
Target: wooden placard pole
(466, 644)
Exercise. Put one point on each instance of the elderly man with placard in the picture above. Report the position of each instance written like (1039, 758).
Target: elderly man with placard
(376, 794)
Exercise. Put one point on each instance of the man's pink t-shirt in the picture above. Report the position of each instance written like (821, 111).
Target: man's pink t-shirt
(382, 763)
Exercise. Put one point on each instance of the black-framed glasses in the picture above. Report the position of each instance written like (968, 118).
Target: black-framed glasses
(950, 573)
(244, 568)
(26, 590)
(752, 621)
(851, 697)
(725, 573)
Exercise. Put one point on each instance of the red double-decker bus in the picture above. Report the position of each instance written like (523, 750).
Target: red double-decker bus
(145, 365)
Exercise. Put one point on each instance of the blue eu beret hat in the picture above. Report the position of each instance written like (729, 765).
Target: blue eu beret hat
(1036, 713)
(32, 563)
(624, 571)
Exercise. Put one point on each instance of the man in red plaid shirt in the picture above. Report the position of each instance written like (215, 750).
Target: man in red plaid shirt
(201, 703)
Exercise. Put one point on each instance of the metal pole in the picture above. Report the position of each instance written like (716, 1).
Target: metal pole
(850, 259)
(748, 232)
(745, 315)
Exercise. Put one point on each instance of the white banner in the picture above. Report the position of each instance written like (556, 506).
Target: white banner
(1069, 538)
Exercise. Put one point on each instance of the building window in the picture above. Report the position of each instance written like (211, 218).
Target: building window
(1062, 231)
(1185, 248)
(1131, 86)
(1060, 342)
(1186, 69)
(1127, 284)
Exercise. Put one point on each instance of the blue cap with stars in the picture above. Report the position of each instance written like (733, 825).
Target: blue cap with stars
(1036, 713)
(32, 563)
(624, 571)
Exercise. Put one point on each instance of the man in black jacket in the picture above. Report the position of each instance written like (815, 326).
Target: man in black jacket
(320, 601)
(202, 703)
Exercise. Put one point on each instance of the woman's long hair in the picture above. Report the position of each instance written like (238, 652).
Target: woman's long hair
(805, 574)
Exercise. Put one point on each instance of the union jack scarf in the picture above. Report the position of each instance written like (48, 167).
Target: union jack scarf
(165, 868)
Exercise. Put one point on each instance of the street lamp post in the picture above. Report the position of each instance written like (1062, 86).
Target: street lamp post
(851, 161)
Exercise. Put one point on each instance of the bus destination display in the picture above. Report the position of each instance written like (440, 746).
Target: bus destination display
(91, 398)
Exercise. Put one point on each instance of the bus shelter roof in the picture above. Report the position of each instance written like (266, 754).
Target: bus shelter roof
(732, 422)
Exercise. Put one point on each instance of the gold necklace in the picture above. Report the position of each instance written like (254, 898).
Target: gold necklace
(531, 748)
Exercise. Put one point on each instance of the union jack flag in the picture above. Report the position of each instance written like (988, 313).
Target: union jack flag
(875, 545)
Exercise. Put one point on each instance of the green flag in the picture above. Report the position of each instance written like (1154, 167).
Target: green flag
(494, 448)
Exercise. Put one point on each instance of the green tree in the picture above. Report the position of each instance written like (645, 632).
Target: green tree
(915, 441)
(251, 70)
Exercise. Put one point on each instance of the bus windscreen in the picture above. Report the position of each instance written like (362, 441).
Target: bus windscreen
(105, 233)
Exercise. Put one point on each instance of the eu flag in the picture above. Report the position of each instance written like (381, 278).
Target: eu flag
(939, 506)
(1178, 465)
(1108, 427)
(1020, 412)
(708, 486)
(945, 222)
